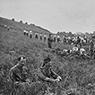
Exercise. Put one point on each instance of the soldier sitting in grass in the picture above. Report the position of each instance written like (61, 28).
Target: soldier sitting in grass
(47, 72)
(18, 73)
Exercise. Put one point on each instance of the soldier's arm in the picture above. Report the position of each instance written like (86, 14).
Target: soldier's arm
(14, 67)
(42, 65)
(13, 71)
(54, 75)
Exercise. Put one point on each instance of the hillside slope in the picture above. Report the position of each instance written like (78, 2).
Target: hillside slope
(22, 26)
(76, 73)
(11, 34)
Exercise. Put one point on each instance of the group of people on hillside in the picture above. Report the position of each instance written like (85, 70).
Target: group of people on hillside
(70, 40)
(19, 72)
(77, 45)
(73, 40)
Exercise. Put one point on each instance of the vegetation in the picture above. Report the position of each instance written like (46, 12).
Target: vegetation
(77, 75)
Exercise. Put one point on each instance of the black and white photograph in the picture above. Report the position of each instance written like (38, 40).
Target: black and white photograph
(47, 47)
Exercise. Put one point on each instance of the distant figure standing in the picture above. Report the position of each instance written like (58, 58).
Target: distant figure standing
(91, 48)
(85, 38)
(78, 41)
(50, 40)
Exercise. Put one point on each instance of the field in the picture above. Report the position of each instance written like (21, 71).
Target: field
(77, 74)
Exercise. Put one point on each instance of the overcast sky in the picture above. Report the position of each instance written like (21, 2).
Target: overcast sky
(54, 15)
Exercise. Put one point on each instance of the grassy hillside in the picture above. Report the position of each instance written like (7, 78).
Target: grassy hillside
(76, 73)
(22, 26)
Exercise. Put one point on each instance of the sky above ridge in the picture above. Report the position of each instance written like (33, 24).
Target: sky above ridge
(54, 15)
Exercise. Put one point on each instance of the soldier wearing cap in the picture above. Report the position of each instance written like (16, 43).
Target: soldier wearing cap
(47, 71)
(18, 73)
(46, 66)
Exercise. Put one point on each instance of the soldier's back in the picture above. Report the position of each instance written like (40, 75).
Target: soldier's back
(15, 73)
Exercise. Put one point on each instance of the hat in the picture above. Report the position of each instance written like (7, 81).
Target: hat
(22, 58)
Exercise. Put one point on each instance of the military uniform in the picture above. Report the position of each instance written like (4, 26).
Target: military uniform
(91, 48)
(47, 71)
(78, 43)
(50, 40)
(18, 73)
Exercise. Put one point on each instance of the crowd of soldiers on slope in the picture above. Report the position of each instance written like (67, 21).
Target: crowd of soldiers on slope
(56, 38)
(77, 49)
(68, 40)
(77, 42)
